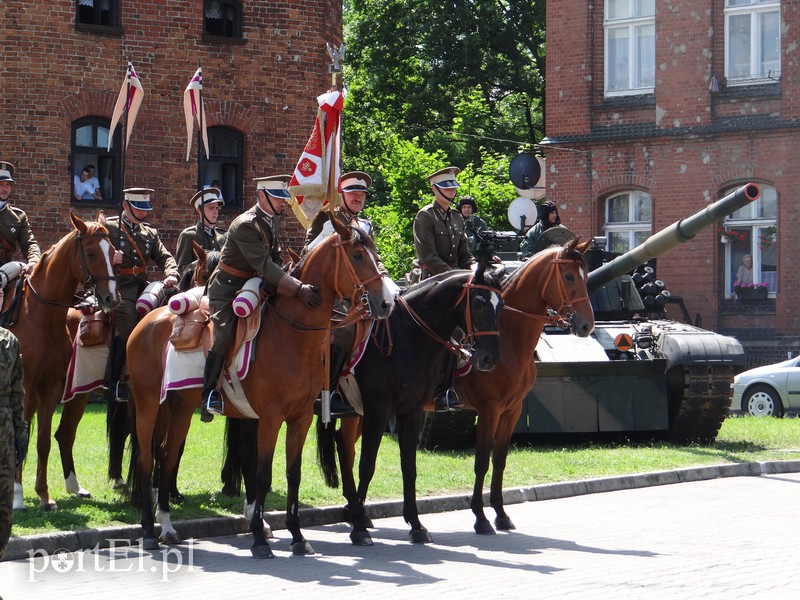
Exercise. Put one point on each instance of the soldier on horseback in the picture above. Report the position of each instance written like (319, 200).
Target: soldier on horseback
(251, 250)
(205, 232)
(15, 232)
(137, 243)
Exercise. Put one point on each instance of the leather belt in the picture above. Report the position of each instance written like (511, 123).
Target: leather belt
(133, 271)
(236, 272)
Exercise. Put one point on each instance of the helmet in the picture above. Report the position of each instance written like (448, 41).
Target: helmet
(467, 200)
(545, 208)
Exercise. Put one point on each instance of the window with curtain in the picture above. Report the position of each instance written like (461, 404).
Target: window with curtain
(95, 174)
(752, 41)
(222, 18)
(225, 167)
(104, 13)
(630, 46)
(628, 222)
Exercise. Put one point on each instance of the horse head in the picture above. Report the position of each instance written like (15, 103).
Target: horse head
(480, 318)
(93, 264)
(565, 287)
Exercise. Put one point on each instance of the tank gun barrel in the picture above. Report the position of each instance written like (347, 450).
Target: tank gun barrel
(678, 233)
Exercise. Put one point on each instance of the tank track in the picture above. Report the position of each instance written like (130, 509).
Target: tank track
(448, 430)
(704, 404)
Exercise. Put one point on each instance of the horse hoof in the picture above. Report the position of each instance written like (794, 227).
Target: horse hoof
(150, 544)
(268, 532)
(420, 536)
(170, 537)
(48, 506)
(262, 551)
(301, 548)
(176, 497)
(120, 486)
(83, 494)
(360, 538)
(504, 524)
(484, 528)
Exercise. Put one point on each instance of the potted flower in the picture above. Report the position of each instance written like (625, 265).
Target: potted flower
(751, 291)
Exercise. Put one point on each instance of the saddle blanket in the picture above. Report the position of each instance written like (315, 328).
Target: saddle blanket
(87, 369)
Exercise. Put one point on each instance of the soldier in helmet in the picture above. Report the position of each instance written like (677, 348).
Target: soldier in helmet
(473, 224)
(251, 250)
(137, 244)
(13, 428)
(548, 217)
(205, 232)
(15, 230)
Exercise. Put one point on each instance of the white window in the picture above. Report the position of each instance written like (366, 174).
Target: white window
(752, 41)
(752, 232)
(628, 220)
(630, 43)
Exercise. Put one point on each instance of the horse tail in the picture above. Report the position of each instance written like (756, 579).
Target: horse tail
(326, 452)
(117, 429)
(133, 482)
(231, 474)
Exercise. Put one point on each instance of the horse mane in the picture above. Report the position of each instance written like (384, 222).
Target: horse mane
(92, 228)
(574, 254)
(359, 235)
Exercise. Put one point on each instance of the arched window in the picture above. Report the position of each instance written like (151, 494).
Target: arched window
(225, 168)
(222, 18)
(101, 182)
(628, 223)
(752, 231)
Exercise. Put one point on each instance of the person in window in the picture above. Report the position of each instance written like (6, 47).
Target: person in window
(473, 224)
(137, 243)
(15, 229)
(744, 275)
(548, 217)
(84, 188)
(205, 232)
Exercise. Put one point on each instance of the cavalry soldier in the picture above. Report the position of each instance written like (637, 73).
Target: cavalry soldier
(441, 243)
(137, 243)
(15, 230)
(13, 428)
(252, 249)
(205, 232)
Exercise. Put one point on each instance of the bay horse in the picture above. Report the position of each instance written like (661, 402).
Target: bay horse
(286, 377)
(399, 374)
(117, 419)
(549, 286)
(84, 257)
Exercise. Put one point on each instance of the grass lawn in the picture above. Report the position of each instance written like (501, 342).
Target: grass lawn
(741, 439)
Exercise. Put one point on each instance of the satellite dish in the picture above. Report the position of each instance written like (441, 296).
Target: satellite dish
(540, 190)
(524, 171)
(522, 213)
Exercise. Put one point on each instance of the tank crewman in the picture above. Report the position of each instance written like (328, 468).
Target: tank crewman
(205, 232)
(441, 243)
(548, 217)
(13, 428)
(15, 229)
(473, 224)
(137, 244)
(251, 249)
(439, 235)
(355, 190)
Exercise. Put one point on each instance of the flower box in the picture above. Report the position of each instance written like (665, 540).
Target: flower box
(751, 293)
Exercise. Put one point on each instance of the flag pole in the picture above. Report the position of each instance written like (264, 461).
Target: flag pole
(335, 69)
(201, 149)
(123, 148)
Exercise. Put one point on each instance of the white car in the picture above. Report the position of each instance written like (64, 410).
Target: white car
(768, 391)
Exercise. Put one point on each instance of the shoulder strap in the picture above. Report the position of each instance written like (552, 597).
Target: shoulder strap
(133, 243)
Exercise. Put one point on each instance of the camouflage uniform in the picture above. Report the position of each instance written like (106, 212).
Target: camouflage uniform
(16, 231)
(13, 429)
(440, 240)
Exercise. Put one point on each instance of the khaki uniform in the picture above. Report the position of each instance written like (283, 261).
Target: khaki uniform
(251, 250)
(184, 255)
(132, 278)
(440, 240)
(16, 231)
(13, 428)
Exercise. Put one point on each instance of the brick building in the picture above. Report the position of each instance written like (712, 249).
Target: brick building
(61, 67)
(655, 109)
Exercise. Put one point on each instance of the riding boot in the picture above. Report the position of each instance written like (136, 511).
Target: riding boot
(445, 397)
(116, 389)
(211, 400)
(339, 406)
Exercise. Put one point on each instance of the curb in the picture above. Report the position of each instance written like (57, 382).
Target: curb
(88, 539)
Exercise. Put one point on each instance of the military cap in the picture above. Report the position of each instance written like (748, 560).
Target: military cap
(207, 196)
(355, 181)
(444, 178)
(275, 185)
(139, 198)
(6, 171)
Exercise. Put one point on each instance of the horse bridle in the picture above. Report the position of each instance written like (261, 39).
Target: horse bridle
(564, 313)
(89, 281)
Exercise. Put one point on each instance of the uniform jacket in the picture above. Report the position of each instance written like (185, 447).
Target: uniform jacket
(345, 216)
(251, 248)
(16, 230)
(440, 240)
(149, 245)
(185, 254)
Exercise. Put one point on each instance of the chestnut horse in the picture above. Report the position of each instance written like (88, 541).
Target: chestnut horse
(552, 281)
(286, 377)
(399, 373)
(83, 256)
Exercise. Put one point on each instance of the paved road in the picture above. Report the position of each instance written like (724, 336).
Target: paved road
(735, 537)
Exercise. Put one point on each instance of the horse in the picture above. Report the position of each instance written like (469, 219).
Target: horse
(400, 377)
(549, 287)
(117, 420)
(285, 379)
(84, 257)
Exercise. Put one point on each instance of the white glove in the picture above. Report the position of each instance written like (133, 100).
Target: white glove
(170, 282)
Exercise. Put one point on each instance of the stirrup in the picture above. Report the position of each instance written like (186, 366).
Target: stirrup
(214, 404)
(340, 406)
(447, 401)
(122, 393)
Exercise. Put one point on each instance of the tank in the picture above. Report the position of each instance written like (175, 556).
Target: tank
(641, 371)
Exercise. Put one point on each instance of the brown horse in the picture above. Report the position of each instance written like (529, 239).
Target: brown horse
(552, 281)
(285, 379)
(83, 256)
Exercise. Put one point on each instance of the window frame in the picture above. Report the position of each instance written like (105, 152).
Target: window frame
(236, 7)
(101, 155)
(633, 24)
(229, 183)
(632, 226)
(97, 24)
(756, 9)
